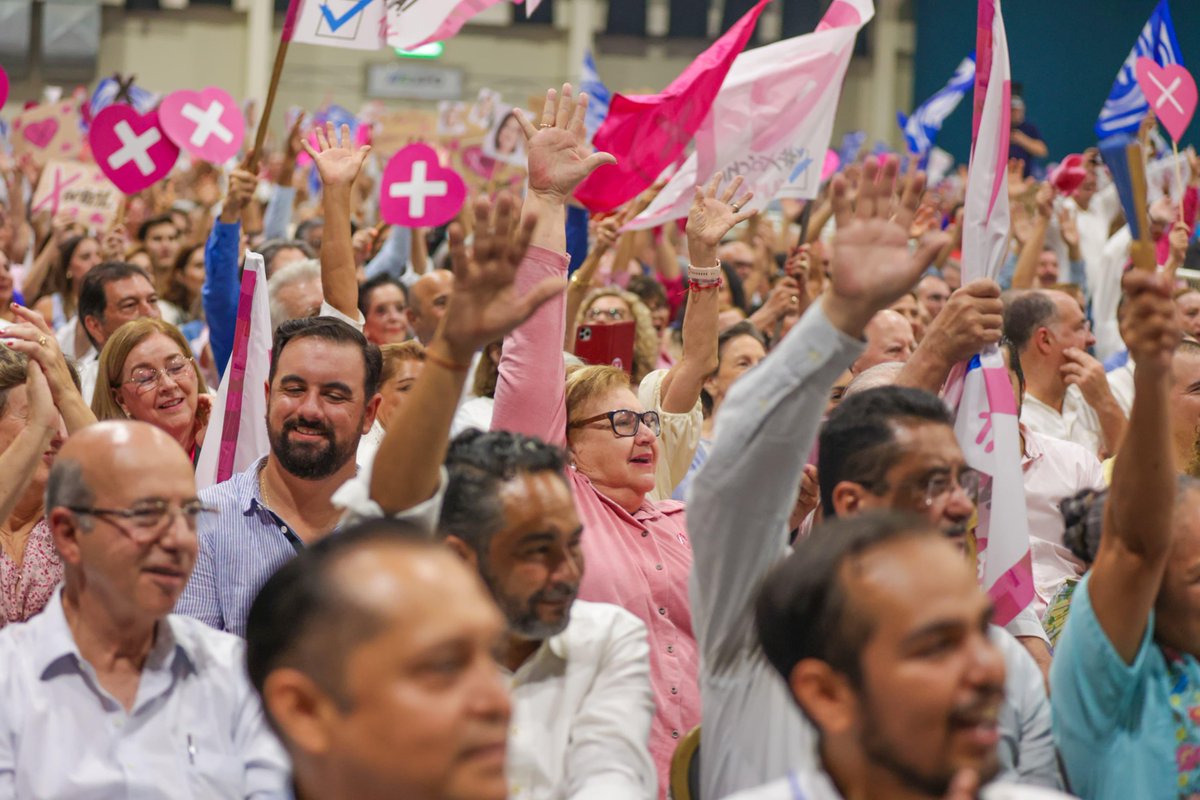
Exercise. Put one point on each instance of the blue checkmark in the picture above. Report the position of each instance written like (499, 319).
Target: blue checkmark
(337, 22)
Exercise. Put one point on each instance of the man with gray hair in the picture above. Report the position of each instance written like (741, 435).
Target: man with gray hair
(106, 693)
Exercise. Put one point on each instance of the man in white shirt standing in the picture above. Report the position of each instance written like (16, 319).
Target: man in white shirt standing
(1067, 394)
(106, 693)
(579, 672)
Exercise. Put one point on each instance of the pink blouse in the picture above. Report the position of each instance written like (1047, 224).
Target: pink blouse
(25, 590)
(638, 561)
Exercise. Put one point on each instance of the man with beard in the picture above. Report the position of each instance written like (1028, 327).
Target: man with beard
(321, 399)
(579, 671)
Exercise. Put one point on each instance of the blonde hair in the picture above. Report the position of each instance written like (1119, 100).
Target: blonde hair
(394, 354)
(645, 339)
(587, 383)
(116, 351)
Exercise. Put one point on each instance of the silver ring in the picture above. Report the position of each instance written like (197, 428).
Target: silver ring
(546, 125)
(736, 208)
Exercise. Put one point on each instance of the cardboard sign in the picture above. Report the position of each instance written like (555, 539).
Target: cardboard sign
(1171, 92)
(131, 148)
(47, 132)
(207, 124)
(417, 191)
(395, 130)
(80, 191)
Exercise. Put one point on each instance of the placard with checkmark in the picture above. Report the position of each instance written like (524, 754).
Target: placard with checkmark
(357, 24)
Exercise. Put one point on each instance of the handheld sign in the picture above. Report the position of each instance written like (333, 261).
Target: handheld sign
(207, 124)
(130, 148)
(3, 86)
(79, 191)
(46, 132)
(1069, 174)
(417, 191)
(1171, 92)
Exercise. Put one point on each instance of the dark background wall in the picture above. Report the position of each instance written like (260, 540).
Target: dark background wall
(1066, 53)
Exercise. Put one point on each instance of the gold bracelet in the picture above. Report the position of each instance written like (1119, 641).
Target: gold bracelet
(445, 363)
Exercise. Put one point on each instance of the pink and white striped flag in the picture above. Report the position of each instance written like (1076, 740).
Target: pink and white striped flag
(980, 391)
(772, 120)
(237, 428)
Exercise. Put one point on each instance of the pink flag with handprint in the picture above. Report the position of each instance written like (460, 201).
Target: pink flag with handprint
(647, 133)
(986, 423)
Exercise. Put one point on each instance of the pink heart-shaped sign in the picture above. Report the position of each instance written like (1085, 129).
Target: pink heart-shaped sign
(1068, 175)
(40, 134)
(3, 86)
(832, 162)
(130, 148)
(417, 191)
(1171, 92)
(207, 124)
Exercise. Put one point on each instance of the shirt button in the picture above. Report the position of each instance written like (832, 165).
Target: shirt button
(283, 529)
(674, 690)
(662, 611)
(645, 534)
(674, 734)
(658, 566)
(670, 648)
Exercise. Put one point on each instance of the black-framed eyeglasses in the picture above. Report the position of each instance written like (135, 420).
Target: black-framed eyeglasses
(143, 379)
(625, 422)
(149, 518)
(614, 314)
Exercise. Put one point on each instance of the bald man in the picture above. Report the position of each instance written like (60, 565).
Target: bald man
(374, 653)
(106, 693)
(889, 338)
(427, 303)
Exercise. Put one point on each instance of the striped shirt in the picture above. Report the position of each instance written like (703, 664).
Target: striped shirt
(243, 544)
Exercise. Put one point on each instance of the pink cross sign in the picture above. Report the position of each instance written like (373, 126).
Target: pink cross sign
(207, 124)
(1171, 92)
(130, 148)
(417, 191)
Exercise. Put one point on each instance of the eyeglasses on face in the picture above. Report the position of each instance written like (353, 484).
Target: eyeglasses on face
(148, 519)
(625, 422)
(940, 485)
(614, 314)
(143, 379)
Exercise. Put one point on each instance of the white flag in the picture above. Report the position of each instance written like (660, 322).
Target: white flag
(412, 23)
(353, 24)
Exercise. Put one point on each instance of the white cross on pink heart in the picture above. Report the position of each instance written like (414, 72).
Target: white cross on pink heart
(208, 124)
(417, 191)
(1171, 92)
(130, 148)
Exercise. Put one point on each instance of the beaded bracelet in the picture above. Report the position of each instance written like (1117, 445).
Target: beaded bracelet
(704, 275)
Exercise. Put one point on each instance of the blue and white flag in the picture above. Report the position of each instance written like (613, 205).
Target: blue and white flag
(598, 94)
(921, 129)
(105, 95)
(852, 142)
(1126, 105)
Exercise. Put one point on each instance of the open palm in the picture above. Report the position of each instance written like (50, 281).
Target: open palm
(559, 157)
(337, 161)
(711, 217)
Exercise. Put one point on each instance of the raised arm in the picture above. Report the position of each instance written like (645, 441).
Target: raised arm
(283, 195)
(18, 463)
(485, 306)
(32, 337)
(1031, 248)
(338, 164)
(770, 417)
(1138, 517)
(710, 218)
(221, 286)
(530, 395)
(972, 318)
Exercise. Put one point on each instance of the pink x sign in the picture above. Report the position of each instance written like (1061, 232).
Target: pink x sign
(208, 124)
(1171, 92)
(417, 191)
(130, 148)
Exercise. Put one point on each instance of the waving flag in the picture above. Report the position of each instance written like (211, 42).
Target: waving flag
(376, 24)
(648, 132)
(237, 428)
(599, 97)
(1126, 104)
(921, 129)
(986, 416)
(773, 119)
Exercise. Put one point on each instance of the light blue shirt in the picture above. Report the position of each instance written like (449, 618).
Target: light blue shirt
(1113, 721)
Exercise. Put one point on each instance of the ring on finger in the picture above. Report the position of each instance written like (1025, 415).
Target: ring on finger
(41, 341)
(546, 125)
(736, 208)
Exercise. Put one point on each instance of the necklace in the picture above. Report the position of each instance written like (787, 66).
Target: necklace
(262, 486)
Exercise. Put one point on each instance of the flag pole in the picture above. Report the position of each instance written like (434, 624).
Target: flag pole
(264, 119)
(1142, 249)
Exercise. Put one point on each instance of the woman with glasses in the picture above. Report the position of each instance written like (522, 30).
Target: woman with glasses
(611, 305)
(147, 373)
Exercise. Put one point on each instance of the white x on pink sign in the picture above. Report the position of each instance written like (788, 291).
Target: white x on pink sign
(135, 147)
(208, 123)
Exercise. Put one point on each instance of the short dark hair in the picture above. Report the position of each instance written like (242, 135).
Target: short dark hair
(153, 222)
(478, 463)
(858, 442)
(364, 291)
(331, 330)
(271, 249)
(304, 227)
(93, 301)
(302, 618)
(803, 609)
(1024, 314)
(648, 290)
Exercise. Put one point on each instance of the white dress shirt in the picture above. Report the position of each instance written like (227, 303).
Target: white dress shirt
(1120, 383)
(196, 729)
(817, 785)
(474, 414)
(1077, 423)
(582, 706)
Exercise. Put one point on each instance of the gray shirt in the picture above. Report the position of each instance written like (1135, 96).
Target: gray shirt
(753, 732)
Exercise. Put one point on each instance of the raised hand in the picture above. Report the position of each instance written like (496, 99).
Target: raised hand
(242, 183)
(1150, 328)
(1088, 374)
(337, 161)
(711, 217)
(485, 305)
(871, 264)
(559, 157)
(972, 318)
(42, 411)
(1068, 228)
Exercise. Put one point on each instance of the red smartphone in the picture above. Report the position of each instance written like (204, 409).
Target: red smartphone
(609, 345)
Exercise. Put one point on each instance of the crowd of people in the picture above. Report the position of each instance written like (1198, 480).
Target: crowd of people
(472, 566)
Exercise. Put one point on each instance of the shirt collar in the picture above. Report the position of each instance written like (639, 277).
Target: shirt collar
(1033, 448)
(250, 490)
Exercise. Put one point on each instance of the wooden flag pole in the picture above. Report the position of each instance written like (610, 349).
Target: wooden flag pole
(264, 119)
(1142, 250)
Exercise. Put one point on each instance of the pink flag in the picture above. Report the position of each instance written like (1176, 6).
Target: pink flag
(418, 22)
(237, 431)
(648, 132)
(772, 120)
(986, 422)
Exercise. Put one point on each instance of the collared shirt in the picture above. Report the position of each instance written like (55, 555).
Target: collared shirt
(582, 707)
(195, 730)
(1120, 383)
(1077, 423)
(26, 589)
(815, 784)
(753, 730)
(1054, 470)
(243, 544)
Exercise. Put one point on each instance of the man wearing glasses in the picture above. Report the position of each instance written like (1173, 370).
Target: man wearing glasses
(106, 693)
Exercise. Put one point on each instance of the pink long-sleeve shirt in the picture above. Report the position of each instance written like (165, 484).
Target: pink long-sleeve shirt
(639, 561)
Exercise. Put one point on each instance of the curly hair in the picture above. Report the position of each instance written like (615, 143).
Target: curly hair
(645, 339)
